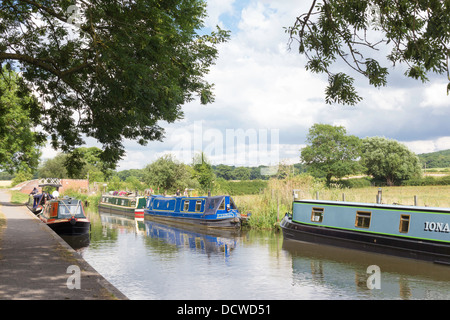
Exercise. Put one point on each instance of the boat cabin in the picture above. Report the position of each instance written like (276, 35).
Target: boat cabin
(219, 205)
(65, 208)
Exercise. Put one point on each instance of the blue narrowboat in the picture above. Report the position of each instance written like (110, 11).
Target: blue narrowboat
(217, 211)
(407, 231)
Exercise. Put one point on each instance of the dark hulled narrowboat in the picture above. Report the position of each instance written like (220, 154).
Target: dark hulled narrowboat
(123, 203)
(407, 231)
(65, 216)
(214, 212)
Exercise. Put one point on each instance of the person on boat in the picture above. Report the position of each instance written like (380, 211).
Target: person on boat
(178, 193)
(185, 193)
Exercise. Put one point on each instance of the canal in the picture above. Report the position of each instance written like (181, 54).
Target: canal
(150, 260)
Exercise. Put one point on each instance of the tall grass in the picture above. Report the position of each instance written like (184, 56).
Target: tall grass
(269, 207)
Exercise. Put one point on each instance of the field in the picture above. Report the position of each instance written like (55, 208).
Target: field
(5, 183)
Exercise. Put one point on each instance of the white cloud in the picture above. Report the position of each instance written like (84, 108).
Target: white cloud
(433, 95)
(426, 146)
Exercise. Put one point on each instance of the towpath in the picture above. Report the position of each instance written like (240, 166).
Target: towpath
(36, 264)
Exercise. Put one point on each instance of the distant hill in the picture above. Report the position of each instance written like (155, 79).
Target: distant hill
(438, 159)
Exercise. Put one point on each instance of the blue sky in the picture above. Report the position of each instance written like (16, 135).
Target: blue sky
(263, 91)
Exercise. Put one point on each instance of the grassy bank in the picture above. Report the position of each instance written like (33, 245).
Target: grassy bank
(18, 197)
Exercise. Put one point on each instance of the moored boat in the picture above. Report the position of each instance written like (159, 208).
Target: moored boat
(38, 199)
(407, 231)
(65, 216)
(124, 203)
(214, 212)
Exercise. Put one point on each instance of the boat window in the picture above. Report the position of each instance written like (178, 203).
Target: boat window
(186, 205)
(70, 209)
(404, 223)
(363, 219)
(222, 205)
(198, 205)
(317, 214)
(232, 205)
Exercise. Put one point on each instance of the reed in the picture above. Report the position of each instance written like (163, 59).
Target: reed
(269, 207)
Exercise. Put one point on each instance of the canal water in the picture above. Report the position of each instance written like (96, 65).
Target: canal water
(151, 260)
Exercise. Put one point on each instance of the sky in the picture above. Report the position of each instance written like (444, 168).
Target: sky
(265, 100)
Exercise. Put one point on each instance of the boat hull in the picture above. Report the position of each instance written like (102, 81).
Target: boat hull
(433, 251)
(72, 228)
(226, 223)
(116, 209)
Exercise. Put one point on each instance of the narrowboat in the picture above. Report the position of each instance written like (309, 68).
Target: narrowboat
(406, 231)
(214, 212)
(65, 216)
(124, 203)
(37, 200)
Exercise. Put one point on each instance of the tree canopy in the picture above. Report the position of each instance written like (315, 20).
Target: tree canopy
(203, 172)
(19, 143)
(87, 165)
(110, 70)
(389, 160)
(166, 174)
(331, 152)
(417, 34)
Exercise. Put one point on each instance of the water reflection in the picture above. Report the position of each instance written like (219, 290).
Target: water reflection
(77, 242)
(344, 273)
(201, 240)
(154, 260)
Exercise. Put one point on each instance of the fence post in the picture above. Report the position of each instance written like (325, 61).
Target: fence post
(379, 196)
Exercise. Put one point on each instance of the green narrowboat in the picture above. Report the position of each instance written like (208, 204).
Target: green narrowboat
(123, 203)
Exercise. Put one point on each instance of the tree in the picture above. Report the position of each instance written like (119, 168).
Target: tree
(54, 168)
(223, 171)
(167, 174)
(203, 172)
(418, 33)
(19, 143)
(109, 69)
(87, 164)
(389, 160)
(83, 162)
(241, 173)
(331, 152)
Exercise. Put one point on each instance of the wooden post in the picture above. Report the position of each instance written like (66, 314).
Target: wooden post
(317, 195)
(379, 195)
(415, 200)
(343, 196)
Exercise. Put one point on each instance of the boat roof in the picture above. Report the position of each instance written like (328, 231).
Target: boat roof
(188, 197)
(375, 205)
(67, 201)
